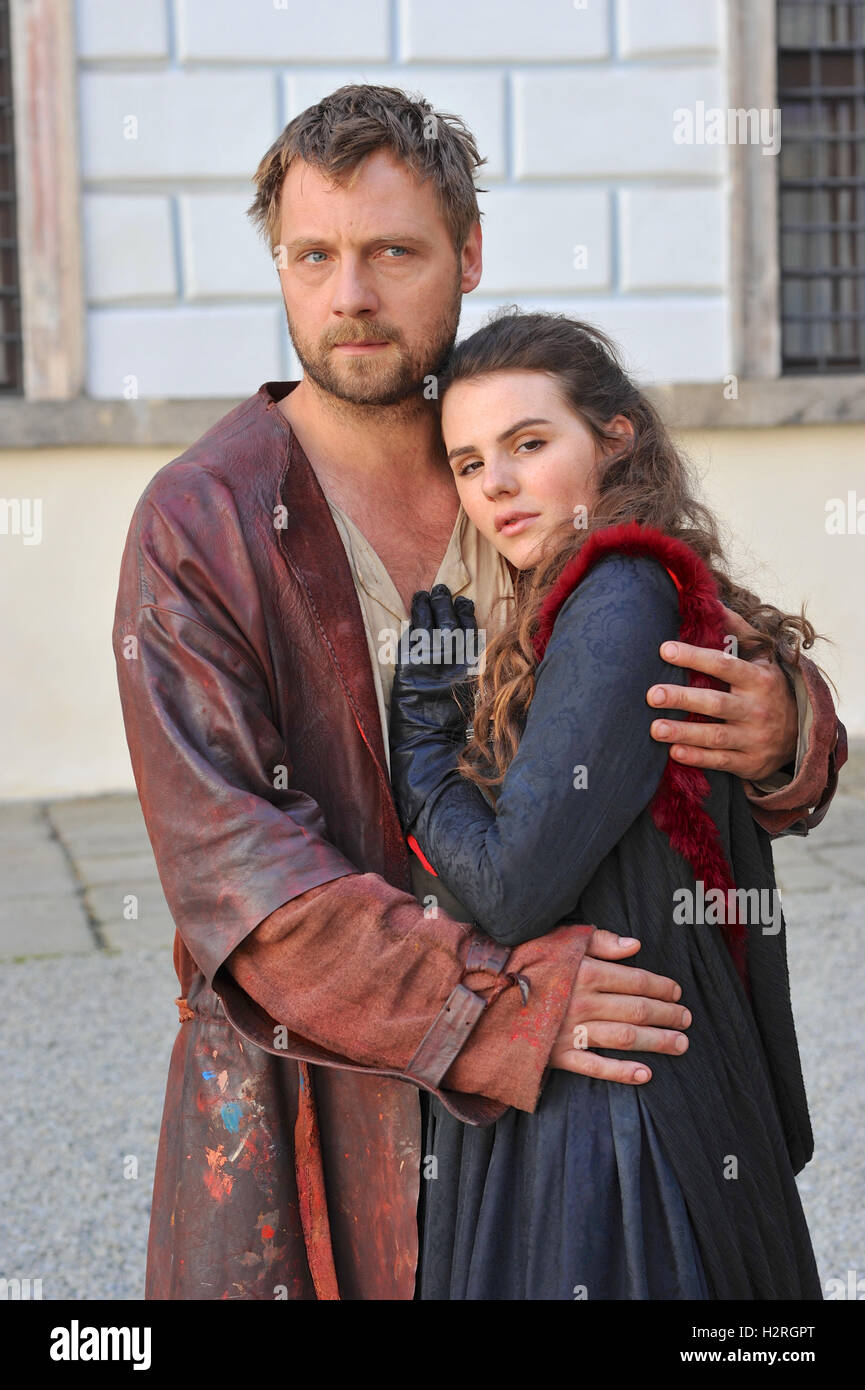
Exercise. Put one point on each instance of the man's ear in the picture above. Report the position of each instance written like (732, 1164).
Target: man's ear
(471, 260)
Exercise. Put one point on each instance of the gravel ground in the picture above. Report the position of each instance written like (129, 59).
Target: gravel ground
(827, 983)
(86, 1041)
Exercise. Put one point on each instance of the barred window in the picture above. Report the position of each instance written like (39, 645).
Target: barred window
(10, 303)
(821, 95)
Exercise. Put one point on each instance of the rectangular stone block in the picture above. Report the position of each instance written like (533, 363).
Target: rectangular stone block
(476, 95)
(223, 256)
(673, 238)
(283, 31)
(105, 29)
(609, 122)
(173, 353)
(647, 28)
(546, 239)
(128, 247)
(667, 338)
(508, 31)
(173, 125)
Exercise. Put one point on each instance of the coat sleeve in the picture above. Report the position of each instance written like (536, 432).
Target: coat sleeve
(312, 957)
(798, 804)
(585, 767)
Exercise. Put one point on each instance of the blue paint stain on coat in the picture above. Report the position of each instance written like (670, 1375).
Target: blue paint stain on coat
(231, 1114)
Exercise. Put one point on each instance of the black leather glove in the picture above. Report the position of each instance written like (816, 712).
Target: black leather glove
(433, 697)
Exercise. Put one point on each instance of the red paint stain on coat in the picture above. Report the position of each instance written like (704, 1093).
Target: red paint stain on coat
(218, 1183)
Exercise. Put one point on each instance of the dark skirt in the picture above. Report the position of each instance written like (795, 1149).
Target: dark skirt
(576, 1201)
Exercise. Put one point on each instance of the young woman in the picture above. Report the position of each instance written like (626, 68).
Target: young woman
(562, 808)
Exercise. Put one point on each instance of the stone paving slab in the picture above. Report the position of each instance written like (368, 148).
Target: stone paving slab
(40, 867)
(68, 869)
(827, 984)
(97, 870)
(846, 861)
(41, 908)
(831, 857)
(101, 825)
(844, 823)
(20, 821)
(44, 925)
(151, 926)
(809, 877)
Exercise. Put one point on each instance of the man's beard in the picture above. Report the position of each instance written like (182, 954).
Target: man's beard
(368, 380)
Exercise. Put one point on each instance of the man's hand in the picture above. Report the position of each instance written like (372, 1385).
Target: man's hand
(758, 721)
(616, 1006)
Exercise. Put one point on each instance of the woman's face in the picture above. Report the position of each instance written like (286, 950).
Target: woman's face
(523, 461)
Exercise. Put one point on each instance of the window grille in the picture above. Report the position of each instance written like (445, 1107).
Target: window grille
(821, 96)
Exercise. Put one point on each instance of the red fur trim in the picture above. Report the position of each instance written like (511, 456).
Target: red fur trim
(677, 806)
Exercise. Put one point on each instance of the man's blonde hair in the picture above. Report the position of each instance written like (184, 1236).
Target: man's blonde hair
(339, 132)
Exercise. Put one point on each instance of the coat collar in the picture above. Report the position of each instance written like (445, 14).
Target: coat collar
(702, 620)
(678, 806)
(314, 552)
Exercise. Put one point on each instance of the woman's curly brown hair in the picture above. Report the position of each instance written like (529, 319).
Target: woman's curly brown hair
(646, 479)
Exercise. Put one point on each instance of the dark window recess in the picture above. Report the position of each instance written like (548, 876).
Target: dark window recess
(821, 94)
(10, 301)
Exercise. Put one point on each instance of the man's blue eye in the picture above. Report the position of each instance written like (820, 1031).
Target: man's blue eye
(403, 249)
(315, 253)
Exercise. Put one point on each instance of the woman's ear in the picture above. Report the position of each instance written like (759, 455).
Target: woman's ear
(623, 429)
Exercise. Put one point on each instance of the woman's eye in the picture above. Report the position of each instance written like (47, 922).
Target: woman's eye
(469, 468)
(536, 443)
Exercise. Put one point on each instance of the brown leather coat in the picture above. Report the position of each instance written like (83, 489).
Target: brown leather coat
(313, 987)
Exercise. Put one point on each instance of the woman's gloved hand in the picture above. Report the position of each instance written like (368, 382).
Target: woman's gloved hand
(433, 696)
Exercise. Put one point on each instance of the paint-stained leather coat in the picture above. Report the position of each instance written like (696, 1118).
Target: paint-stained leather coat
(315, 996)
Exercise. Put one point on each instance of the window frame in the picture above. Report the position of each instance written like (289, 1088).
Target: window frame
(50, 253)
(754, 281)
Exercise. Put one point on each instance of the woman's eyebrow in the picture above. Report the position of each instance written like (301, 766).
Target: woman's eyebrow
(521, 425)
(500, 439)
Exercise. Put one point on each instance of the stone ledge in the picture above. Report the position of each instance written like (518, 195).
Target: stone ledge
(84, 421)
(794, 400)
(763, 402)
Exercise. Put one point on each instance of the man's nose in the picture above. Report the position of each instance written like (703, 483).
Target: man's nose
(353, 293)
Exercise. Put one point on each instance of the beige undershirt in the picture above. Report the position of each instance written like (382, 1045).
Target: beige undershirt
(471, 565)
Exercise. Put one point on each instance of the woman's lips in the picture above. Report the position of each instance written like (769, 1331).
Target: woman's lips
(513, 528)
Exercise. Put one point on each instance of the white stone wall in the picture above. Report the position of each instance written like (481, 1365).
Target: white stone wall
(572, 104)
